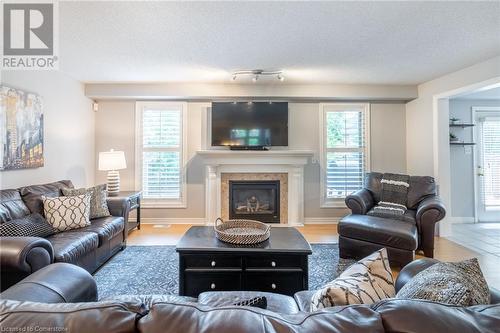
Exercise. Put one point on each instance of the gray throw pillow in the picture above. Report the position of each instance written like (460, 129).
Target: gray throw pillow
(460, 283)
(98, 204)
(33, 225)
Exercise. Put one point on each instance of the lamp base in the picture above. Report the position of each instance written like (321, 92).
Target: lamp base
(113, 183)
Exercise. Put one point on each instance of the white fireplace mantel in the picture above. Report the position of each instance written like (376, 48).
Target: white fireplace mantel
(291, 162)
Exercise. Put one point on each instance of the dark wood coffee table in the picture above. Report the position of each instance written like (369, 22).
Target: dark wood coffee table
(277, 265)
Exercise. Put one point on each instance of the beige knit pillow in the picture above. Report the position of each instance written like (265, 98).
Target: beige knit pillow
(66, 213)
(365, 282)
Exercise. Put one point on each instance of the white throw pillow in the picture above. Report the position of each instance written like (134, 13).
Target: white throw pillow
(66, 213)
(365, 282)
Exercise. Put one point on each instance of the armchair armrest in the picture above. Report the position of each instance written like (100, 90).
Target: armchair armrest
(360, 202)
(21, 256)
(430, 211)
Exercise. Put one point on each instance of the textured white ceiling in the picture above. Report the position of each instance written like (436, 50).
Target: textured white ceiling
(313, 42)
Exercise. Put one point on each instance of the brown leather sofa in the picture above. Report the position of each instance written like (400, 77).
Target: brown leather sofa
(62, 297)
(361, 234)
(87, 247)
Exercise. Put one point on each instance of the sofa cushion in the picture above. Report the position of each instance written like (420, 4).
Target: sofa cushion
(275, 302)
(11, 206)
(33, 225)
(32, 195)
(401, 315)
(69, 246)
(105, 227)
(95, 317)
(386, 232)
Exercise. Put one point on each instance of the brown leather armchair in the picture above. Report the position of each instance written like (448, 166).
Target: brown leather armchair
(361, 234)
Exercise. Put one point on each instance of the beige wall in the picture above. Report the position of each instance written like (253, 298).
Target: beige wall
(68, 129)
(115, 128)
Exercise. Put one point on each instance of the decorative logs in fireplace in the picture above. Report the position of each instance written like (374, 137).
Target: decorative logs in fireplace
(255, 199)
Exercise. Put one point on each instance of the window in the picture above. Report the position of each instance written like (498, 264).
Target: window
(344, 151)
(160, 153)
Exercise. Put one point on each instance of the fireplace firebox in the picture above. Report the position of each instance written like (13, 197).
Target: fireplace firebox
(255, 199)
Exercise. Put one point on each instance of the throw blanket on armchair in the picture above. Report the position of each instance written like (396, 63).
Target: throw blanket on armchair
(394, 196)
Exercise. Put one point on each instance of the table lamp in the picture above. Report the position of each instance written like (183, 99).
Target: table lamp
(112, 161)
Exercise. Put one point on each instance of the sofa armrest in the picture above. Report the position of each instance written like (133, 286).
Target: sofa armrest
(412, 269)
(360, 202)
(119, 207)
(21, 256)
(56, 283)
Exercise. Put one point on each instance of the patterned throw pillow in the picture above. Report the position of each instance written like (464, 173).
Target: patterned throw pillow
(461, 283)
(33, 225)
(98, 204)
(66, 213)
(365, 282)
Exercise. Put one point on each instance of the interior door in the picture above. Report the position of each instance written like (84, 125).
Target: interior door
(488, 165)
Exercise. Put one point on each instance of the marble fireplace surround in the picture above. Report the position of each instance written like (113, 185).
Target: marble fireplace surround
(284, 165)
(281, 177)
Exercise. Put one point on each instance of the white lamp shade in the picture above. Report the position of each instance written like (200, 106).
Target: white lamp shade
(112, 160)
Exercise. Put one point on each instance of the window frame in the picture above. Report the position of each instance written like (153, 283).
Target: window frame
(139, 149)
(324, 108)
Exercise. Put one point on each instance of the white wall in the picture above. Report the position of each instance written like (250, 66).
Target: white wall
(462, 159)
(68, 133)
(427, 142)
(388, 150)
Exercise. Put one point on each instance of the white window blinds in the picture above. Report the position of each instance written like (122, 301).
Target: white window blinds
(161, 150)
(491, 162)
(345, 143)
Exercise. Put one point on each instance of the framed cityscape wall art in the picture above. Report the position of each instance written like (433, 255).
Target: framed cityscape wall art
(21, 129)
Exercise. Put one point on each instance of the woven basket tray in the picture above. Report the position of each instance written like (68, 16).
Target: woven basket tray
(242, 232)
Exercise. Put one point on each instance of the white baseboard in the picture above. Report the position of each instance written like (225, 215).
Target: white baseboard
(458, 220)
(322, 220)
(173, 220)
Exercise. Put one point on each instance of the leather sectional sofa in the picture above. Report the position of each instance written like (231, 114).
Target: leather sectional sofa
(62, 298)
(88, 247)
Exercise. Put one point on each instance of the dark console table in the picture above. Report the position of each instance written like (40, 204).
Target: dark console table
(278, 265)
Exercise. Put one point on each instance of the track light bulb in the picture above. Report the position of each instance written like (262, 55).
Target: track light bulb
(255, 78)
(281, 77)
(234, 77)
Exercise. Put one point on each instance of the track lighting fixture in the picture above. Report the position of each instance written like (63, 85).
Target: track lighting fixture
(257, 73)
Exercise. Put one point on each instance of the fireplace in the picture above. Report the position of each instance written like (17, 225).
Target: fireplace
(255, 199)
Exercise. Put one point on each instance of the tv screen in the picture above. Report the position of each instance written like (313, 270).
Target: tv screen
(250, 124)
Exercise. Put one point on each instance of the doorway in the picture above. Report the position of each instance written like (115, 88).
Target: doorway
(487, 163)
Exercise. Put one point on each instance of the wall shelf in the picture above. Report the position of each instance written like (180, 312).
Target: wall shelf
(462, 143)
(462, 125)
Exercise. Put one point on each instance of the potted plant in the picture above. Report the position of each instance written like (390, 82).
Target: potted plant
(453, 138)
(454, 120)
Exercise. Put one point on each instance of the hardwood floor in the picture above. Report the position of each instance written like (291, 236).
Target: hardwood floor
(445, 249)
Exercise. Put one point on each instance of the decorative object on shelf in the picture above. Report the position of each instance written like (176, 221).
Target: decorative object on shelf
(453, 138)
(257, 73)
(112, 161)
(454, 120)
(22, 129)
(241, 232)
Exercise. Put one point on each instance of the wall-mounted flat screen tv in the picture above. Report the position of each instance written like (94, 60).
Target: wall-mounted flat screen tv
(250, 124)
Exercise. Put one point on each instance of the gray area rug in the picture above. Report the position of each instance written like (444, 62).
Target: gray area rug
(146, 270)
